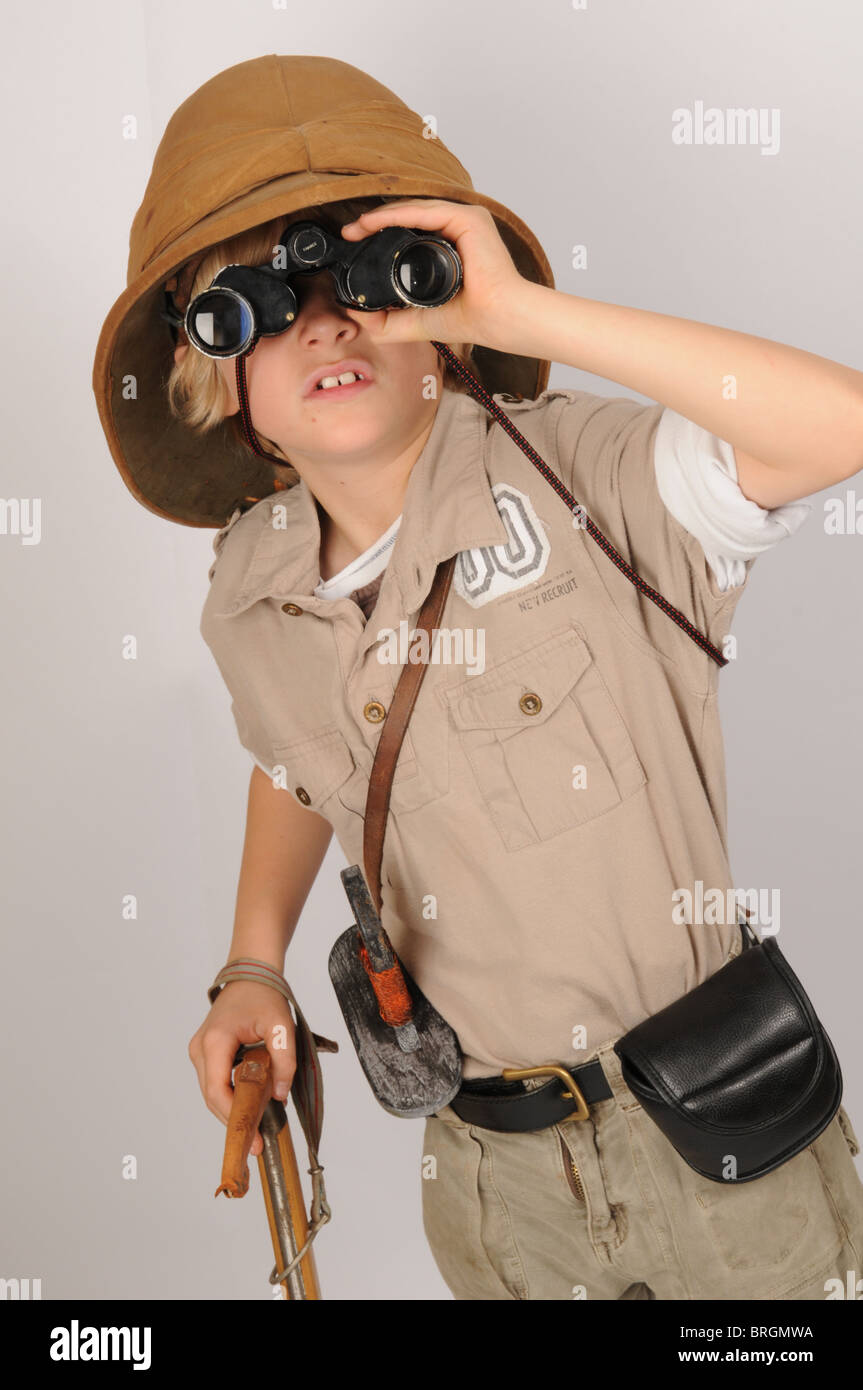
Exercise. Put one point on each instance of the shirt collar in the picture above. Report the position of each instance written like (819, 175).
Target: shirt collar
(448, 507)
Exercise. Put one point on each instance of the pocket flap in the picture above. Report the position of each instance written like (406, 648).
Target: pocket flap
(316, 764)
(548, 670)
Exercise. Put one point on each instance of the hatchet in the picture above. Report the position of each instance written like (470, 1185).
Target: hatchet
(409, 1053)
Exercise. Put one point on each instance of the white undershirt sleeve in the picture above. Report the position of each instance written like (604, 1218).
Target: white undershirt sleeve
(696, 474)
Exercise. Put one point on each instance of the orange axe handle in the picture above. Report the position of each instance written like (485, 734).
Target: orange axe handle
(391, 991)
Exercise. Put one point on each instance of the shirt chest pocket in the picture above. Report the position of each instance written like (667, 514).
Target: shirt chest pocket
(314, 768)
(545, 740)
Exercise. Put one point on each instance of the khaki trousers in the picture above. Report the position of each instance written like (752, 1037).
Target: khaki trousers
(506, 1216)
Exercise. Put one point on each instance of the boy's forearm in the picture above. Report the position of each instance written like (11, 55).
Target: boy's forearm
(284, 847)
(791, 409)
(262, 936)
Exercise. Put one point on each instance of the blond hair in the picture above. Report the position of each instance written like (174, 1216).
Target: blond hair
(197, 392)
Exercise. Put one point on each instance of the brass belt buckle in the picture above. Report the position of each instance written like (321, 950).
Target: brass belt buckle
(571, 1087)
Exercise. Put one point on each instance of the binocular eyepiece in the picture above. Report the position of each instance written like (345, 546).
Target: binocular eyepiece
(393, 268)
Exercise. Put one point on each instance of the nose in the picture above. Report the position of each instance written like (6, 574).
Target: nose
(320, 314)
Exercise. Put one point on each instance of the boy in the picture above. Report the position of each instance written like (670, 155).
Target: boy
(551, 799)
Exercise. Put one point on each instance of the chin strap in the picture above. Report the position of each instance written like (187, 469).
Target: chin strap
(246, 415)
(478, 391)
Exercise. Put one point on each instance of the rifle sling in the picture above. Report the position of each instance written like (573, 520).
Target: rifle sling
(393, 732)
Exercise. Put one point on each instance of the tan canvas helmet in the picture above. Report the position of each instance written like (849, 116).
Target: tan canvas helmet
(265, 138)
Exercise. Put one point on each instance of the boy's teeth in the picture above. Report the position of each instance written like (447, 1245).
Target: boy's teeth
(344, 380)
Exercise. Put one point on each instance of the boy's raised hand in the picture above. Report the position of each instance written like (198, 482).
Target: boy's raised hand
(490, 280)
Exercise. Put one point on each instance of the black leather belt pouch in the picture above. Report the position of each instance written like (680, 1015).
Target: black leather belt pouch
(738, 1074)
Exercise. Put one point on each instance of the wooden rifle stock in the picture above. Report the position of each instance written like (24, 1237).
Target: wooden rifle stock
(254, 1105)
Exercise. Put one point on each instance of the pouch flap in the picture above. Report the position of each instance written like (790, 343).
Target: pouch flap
(742, 1050)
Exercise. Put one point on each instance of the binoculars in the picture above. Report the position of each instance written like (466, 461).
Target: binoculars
(390, 269)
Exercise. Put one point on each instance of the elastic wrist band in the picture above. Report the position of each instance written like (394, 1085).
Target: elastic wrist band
(255, 972)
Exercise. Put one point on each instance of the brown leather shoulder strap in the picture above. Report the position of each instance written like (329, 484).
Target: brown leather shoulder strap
(393, 732)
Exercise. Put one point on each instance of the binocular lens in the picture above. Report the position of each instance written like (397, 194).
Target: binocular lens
(396, 267)
(427, 273)
(222, 320)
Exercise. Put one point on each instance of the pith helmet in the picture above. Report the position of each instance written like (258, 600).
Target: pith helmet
(263, 139)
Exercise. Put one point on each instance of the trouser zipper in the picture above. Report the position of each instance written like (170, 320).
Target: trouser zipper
(572, 1173)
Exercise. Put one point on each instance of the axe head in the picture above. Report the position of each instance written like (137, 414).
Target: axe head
(414, 1069)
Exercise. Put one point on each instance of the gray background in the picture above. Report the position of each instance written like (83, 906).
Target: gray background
(126, 776)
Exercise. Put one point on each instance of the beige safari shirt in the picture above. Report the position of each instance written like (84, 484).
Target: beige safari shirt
(563, 771)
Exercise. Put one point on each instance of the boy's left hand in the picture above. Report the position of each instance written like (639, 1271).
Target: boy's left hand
(490, 281)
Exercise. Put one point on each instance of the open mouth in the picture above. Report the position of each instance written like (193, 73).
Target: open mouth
(341, 387)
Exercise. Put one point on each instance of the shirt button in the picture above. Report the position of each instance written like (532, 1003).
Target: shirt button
(291, 608)
(302, 795)
(530, 703)
(374, 711)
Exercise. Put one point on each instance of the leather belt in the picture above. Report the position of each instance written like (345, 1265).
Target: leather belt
(502, 1103)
